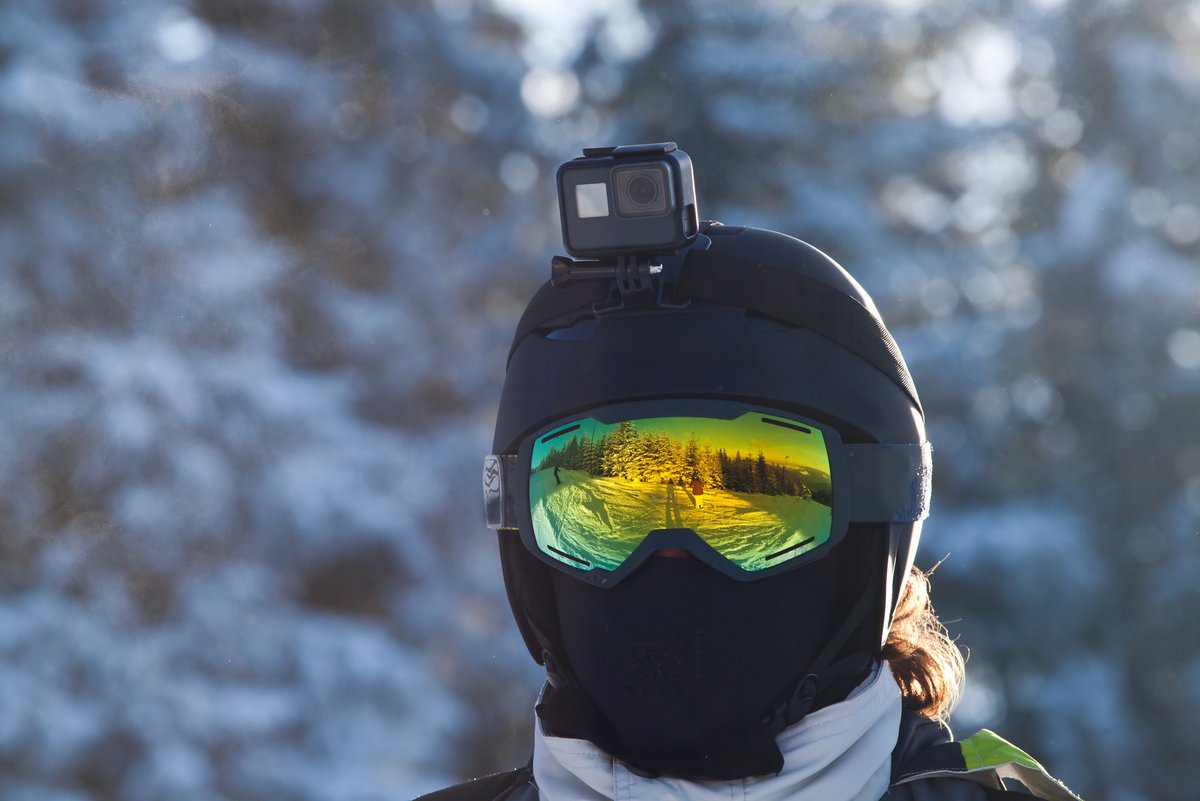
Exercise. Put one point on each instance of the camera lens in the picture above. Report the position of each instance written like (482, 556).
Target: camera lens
(641, 191)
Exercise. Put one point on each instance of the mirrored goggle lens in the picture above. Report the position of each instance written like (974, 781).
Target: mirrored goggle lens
(755, 488)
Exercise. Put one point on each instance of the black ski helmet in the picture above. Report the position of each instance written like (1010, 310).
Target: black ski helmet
(748, 315)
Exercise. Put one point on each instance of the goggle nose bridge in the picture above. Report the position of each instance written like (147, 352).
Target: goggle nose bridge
(684, 539)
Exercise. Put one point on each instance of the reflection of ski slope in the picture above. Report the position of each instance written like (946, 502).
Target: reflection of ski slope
(815, 479)
(616, 514)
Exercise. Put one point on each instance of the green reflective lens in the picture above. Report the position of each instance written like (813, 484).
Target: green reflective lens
(755, 488)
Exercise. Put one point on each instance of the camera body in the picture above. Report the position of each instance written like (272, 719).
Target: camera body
(631, 200)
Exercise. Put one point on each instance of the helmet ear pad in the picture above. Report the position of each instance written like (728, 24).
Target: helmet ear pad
(879, 557)
(903, 539)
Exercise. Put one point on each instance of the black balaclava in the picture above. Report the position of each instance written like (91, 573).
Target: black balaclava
(676, 669)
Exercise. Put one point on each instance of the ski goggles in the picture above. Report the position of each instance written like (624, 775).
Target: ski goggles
(749, 490)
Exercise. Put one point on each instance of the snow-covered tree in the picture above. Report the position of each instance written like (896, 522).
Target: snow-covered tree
(258, 261)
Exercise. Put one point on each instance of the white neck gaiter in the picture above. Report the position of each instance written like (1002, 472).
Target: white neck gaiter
(842, 752)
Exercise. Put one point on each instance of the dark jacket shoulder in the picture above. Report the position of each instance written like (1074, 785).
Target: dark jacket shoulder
(509, 785)
(929, 765)
(919, 737)
(944, 789)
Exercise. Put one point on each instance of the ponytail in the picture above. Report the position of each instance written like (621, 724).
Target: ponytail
(927, 664)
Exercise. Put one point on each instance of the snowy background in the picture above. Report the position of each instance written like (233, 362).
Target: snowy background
(260, 262)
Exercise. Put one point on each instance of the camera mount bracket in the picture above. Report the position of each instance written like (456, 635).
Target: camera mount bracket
(631, 275)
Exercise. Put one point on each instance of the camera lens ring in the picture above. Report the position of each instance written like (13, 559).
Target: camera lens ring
(641, 191)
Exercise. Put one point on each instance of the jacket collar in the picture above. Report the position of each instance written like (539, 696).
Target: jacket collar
(842, 752)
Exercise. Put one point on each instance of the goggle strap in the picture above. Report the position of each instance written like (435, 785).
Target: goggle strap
(499, 496)
(889, 483)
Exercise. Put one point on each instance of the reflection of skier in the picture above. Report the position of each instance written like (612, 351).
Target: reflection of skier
(698, 492)
(557, 480)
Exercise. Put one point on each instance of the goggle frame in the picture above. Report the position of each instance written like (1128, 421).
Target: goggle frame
(880, 483)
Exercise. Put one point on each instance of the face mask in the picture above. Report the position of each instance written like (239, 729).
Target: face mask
(678, 666)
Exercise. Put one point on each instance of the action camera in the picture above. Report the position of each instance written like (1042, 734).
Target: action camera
(632, 200)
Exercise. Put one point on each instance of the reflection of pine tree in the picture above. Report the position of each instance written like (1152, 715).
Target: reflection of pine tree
(588, 457)
(725, 465)
(734, 476)
(552, 458)
(637, 457)
(710, 469)
(650, 454)
(570, 455)
(581, 453)
(656, 457)
(673, 462)
(620, 443)
(573, 455)
(748, 474)
(691, 462)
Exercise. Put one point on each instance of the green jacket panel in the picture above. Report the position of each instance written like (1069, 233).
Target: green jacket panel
(989, 761)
